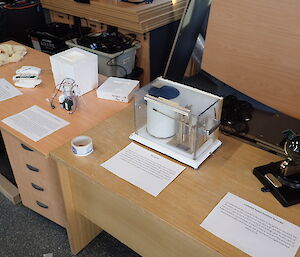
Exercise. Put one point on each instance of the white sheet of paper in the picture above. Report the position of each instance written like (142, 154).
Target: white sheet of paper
(7, 90)
(252, 229)
(143, 168)
(35, 123)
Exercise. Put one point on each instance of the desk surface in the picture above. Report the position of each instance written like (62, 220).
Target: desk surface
(90, 112)
(139, 18)
(183, 205)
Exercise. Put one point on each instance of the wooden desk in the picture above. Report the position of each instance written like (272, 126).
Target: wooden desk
(23, 152)
(154, 25)
(166, 225)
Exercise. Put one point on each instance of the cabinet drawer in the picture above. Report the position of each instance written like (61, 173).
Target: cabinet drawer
(43, 189)
(37, 165)
(95, 26)
(42, 205)
(27, 162)
(61, 17)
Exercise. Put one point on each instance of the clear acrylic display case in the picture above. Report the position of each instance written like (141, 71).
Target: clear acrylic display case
(184, 127)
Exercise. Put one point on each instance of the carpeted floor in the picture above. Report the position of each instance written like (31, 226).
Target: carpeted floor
(24, 233)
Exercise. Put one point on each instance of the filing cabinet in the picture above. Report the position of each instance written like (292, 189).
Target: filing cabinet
(37, 179)
(35, 172)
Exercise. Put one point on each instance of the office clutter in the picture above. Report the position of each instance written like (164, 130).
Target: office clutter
(27, 77)
(118, 89)
(50, 38)
(11, 53)
(68, 99)
(78, 65)
(116, 52)
(236, 115)
(179, 121)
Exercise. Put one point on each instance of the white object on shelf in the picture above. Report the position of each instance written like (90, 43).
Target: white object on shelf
(77, 64)
(117, 64)
(118, 89)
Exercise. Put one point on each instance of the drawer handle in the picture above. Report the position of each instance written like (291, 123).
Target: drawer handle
(61, 16)
(42, 204)
(37, 187)
(26, 148)
(32, 168)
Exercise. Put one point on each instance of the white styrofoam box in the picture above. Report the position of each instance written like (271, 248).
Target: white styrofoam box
(77, 64)
(118, 89)
(112, 65)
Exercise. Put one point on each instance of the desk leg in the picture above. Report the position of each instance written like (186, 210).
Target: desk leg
(143, 57)
(80, 230)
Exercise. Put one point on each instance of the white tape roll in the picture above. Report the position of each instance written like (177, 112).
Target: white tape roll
(82, 145)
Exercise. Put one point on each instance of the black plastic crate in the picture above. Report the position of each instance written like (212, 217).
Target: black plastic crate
(50, 38)
(16, 18)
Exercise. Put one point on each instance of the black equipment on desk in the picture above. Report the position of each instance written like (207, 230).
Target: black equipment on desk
(282, 178)
(110, 41)
(16, 17)
(235, 116)
(50, 38)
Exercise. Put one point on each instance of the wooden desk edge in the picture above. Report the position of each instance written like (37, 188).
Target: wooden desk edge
(78, 223)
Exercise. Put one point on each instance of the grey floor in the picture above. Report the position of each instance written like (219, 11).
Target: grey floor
(25, 233)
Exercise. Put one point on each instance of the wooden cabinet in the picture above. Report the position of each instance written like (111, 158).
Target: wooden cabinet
(35, 172)
(156, 41)
(142, 54)
(37, 179)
